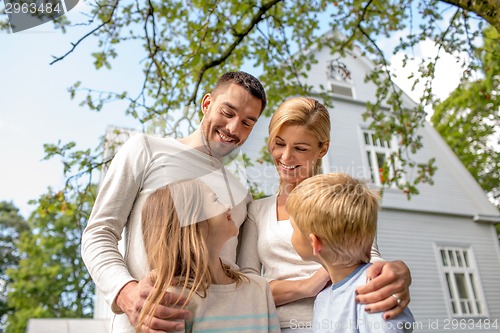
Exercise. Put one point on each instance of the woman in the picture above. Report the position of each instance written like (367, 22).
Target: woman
(299, 137)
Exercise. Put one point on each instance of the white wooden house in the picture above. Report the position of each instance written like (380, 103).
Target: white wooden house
(446, 234)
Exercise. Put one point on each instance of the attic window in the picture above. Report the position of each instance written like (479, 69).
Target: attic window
(339, 77)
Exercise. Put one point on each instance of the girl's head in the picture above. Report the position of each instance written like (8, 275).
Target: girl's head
(182, 224)
(299, 137)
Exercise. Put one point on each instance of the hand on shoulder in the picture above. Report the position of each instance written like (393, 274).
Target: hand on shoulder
(387, 289)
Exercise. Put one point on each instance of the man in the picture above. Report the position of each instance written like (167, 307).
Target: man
(144, 164)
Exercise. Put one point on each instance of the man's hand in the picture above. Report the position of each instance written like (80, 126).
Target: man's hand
(132, 297)
(387, 289)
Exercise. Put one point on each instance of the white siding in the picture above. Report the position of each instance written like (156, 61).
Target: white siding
(453, 191)
(411, 237)
(265, 174)
(346, 152)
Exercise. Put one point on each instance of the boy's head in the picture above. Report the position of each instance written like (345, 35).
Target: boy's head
(334, 217)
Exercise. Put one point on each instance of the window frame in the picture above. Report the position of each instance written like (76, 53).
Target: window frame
(473, 286)
(370, 152)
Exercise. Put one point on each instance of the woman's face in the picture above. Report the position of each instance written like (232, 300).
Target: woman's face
(295, 152)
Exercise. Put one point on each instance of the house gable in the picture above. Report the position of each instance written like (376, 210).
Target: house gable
(454, 190)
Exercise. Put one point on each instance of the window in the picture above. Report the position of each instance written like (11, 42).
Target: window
(461, 281)
(339, 77)
(377, 153)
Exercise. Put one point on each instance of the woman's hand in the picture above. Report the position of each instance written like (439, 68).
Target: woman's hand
(286, 291)
(387, 289)
(317, 282)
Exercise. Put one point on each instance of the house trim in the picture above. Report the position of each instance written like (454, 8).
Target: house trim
(481, 219)
(486, 219)
(346, 99)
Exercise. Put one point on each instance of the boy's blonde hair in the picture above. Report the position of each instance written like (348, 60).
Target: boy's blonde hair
(341, 211)
(175, 245)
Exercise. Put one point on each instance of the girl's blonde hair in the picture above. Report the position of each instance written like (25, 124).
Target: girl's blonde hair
(303, 111)
(341, 211)
(175, 245)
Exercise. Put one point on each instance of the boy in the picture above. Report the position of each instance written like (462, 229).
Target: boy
(334, 218)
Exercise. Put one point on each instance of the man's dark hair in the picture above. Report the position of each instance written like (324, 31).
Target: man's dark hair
(249, 82)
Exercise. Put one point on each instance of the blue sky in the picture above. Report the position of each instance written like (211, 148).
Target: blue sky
(35, 106)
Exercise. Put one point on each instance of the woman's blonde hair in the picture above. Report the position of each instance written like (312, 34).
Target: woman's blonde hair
(341, 211)
(175, 245)
(303, 111)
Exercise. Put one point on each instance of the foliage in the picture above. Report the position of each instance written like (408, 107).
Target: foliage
(12, 224)
(51, 280)
(188, 44)
(469, 119)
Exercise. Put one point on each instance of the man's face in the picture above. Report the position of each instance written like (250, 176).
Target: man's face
(230, 114)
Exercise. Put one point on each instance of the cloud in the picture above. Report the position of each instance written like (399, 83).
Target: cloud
(7, 126)
(449, 69)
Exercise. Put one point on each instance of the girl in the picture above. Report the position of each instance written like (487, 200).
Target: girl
(184, 228)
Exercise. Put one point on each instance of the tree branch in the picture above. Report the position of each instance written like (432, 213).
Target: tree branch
(239, 37)
(74, 45)
(358, 24)
(386, 65)
(487, 9)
